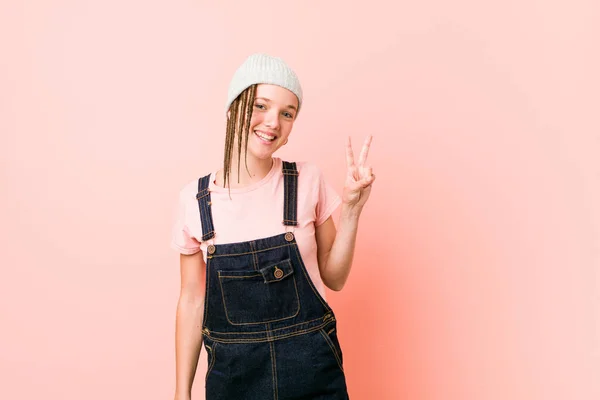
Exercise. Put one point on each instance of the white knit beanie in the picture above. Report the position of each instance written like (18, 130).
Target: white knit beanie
(263, 68)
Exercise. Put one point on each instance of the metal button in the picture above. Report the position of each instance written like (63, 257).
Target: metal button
(289, 236)
(278, 273)
(211, 249)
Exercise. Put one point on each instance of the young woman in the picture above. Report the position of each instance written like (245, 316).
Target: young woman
(258, 246)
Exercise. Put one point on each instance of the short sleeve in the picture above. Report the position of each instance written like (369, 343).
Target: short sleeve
(327, 201)
(181, 239)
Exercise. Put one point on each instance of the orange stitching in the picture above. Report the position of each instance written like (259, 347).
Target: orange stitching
(250, 252)
(274, 368)
(270, 338)
(261, 322)
(212, 361)
(254, 257)
(207, 275)
(278, 329)
(332, 347)
(310, 282)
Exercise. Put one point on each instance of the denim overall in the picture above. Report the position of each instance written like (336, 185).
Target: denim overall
(267, 331)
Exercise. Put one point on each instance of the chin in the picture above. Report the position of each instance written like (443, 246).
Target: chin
(258, 155)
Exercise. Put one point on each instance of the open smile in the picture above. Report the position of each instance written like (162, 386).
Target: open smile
(265, 137)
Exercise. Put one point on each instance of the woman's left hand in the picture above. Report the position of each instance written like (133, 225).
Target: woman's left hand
(359, 177)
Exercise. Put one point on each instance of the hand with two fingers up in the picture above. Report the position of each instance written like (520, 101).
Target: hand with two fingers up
(359, 177)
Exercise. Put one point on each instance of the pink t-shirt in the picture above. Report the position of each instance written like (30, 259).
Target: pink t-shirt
(256, 211)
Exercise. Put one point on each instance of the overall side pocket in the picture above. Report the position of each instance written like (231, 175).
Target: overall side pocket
(330, 336)
(211, 352)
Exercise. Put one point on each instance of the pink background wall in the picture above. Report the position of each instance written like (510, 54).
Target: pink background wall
(477, 273)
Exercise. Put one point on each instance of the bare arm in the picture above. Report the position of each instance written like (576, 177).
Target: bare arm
(335, 250)
(188, 331)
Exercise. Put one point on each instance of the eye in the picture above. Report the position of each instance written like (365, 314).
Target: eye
(288, 115)
(260, 106)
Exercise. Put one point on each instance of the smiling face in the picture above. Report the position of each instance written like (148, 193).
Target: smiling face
(273, 116)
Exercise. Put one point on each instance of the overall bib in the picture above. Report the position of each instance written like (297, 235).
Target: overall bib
(267, 331)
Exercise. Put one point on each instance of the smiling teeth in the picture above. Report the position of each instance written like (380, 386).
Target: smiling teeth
(266, 137)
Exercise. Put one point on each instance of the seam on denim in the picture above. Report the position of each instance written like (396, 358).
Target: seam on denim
(203, 216)
(273, 368)
(202, 193)
(288, 196)
(285, 191)
(252, 252)
(254, 258)
(207, 284)
(205, 212)
(290, 199)
(285, 199)
(213, 355)
(271, 338)
(260, 322)
(269, 335)
(310, 282)
(285, 264)
(207, 235)
(272, 330)
(294, 198)
(206, 219)
(332, 347)
(239, 277)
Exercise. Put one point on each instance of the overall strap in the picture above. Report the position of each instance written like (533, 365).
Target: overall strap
(203, 197)
(290, 199)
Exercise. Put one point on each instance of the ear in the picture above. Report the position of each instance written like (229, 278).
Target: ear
(284, 143)
(228, 114)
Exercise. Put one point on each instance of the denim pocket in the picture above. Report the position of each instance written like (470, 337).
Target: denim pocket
(211, 351)
(257, 297)
(331, 339)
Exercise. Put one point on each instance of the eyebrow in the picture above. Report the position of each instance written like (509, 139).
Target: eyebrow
(269, 100)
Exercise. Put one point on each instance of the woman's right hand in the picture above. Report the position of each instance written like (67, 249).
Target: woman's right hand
(190, 313)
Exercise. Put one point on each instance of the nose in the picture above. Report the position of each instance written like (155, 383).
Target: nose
(272, 119)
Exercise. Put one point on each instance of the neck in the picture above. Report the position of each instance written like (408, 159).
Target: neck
(257, 169)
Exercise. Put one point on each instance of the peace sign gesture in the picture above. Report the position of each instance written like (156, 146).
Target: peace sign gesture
(359, 177)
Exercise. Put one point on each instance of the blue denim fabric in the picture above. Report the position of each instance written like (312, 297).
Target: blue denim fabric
(290, 181)
(267, 331)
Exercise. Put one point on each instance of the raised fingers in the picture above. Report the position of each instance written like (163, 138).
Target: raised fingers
(349, 154)
(365, 151)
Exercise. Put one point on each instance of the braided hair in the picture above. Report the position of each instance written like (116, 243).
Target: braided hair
(238, 126)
